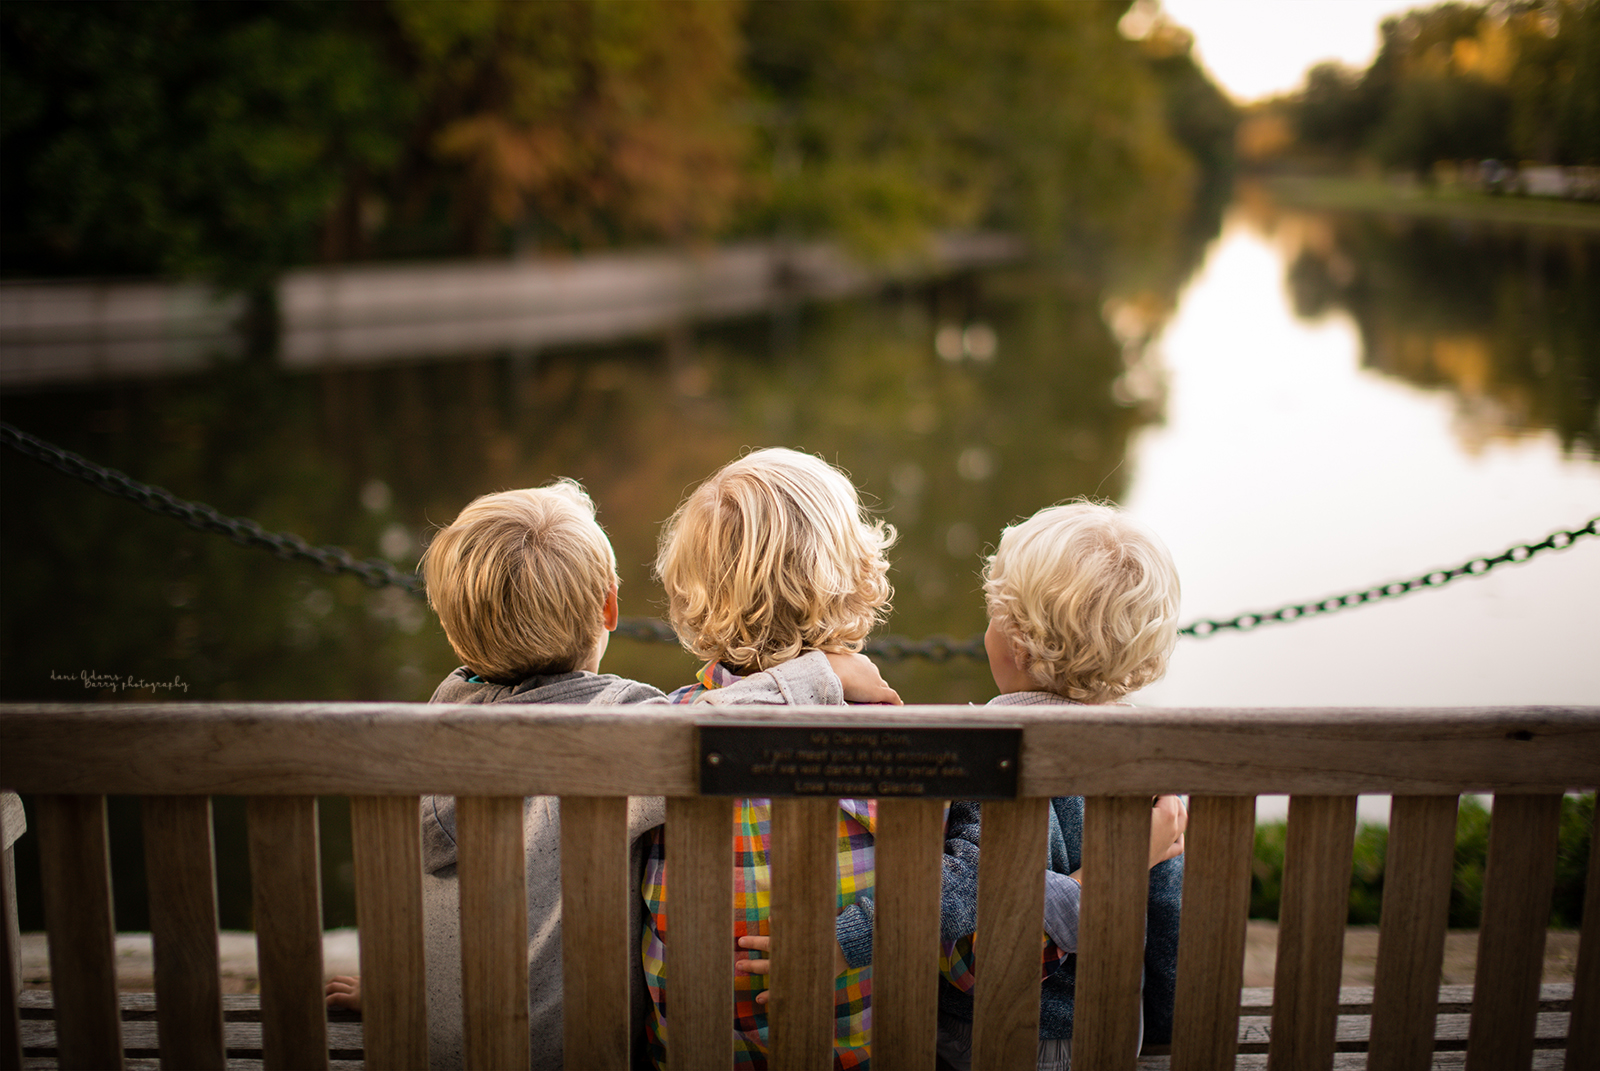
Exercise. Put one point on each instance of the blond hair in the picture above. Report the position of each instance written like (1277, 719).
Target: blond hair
(1088, 598)
(519, 581)
(771, 556)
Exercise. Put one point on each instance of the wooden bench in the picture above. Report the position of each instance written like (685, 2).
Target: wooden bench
(384, 756)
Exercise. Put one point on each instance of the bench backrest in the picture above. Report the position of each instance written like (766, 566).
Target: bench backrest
(385, 756)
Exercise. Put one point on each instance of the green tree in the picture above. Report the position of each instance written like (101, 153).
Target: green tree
(185, 138)
(1555, 82)
(576, 122)
(886, 120)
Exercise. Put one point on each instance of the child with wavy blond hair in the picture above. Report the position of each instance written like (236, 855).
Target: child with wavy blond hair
(1083, 608)
(770, 558)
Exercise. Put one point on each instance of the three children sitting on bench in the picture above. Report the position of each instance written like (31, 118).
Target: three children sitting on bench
(775, 575)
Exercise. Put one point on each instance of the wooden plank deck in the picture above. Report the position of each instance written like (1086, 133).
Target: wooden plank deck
(242, 1030)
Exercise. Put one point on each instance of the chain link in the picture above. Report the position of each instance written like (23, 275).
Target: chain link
(379, 573)
(1433, 579)
(247, 533)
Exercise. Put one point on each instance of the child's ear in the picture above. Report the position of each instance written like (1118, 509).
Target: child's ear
(609, 611)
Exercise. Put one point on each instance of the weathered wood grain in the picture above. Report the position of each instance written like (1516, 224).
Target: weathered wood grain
(1518, 882)
(181, 871)
(416, 749)
(1416, 911)
(1583, 1044)
(1006, 949)
(699, 847)
(286, 886)
(494, 932)
(1315, 901)
(1218, 851)
(805, 880)
(385, 832)
(1116, 885)
(905, 943)
(596, 947)
(12, 823)
(75, 872)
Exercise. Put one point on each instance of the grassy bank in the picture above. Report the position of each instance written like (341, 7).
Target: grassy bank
(1343, 194)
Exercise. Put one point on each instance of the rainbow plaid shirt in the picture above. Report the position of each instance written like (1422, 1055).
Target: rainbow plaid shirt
(752, 888)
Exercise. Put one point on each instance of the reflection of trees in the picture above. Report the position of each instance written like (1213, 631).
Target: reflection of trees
(950, 450)
(1504, 319)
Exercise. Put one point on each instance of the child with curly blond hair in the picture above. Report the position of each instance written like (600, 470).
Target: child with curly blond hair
(770, 558)
(1083, 608)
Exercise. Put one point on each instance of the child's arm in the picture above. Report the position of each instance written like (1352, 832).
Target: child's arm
(1168, 820)
(763, 944)
(344, 991)
(811, 679)
(861, 680)
(1063, 892)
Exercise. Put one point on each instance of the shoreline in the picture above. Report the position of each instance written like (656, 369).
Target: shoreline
(1378, 196)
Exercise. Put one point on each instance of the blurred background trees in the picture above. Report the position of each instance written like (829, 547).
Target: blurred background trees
(1513, 80)
(230, 140)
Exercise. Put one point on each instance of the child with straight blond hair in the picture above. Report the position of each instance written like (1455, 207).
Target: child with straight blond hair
(525, 584)
(770, 558)
(1083, 608)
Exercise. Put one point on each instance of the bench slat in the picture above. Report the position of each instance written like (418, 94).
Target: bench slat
(286, 889)
(804, 893)
(387, 841)
(11, 827)
(699, 846)
(595, 943)
(1416, 911)
(1311, 920)
(181, 869)
(905, 941)
(1005, 1027)
(1518, 883)
(1116, 877)
(1219, 848)
(494, 932)
(1583, 1044)
(75, 872)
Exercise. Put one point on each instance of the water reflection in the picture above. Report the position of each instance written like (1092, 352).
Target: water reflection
(1505, 319)
(1298, 460)
(950, 445)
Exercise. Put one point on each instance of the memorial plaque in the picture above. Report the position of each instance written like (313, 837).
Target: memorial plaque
(861, 761)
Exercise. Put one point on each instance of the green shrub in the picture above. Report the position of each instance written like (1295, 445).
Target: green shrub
(1471, 856)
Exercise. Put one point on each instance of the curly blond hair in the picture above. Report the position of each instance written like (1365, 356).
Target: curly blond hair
(771, 556)
(519, 580)
(1088, 598)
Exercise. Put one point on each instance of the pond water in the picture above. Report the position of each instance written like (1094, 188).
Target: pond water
(1332, 404)
(1289, 468)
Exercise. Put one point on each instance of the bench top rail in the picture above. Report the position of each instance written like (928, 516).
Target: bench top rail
(415, 748)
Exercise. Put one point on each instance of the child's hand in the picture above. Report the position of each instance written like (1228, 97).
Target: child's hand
(344, 991)
(1168, 819)
(764, 966)
(861, 680)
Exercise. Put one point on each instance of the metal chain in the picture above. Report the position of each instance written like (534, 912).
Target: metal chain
(1437, 578)
(379, 573)
(374, 571)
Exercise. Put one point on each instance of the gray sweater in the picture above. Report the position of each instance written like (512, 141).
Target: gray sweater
(806, 680)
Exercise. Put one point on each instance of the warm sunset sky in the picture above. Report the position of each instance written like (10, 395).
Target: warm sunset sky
(1255, 48)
